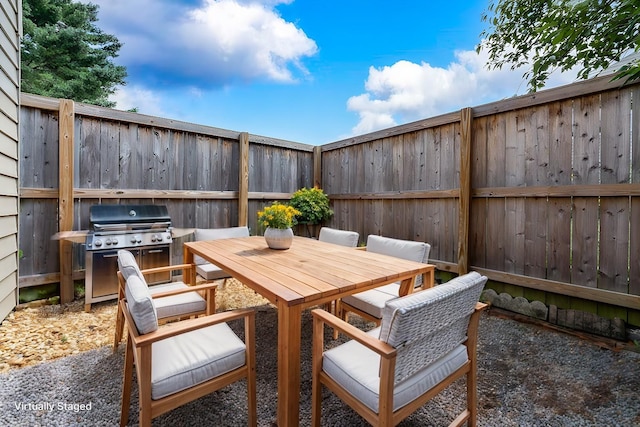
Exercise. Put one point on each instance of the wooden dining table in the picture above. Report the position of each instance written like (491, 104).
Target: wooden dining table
(307, 274)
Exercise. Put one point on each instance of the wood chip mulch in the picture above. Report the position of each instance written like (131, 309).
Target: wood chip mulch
(34, 334)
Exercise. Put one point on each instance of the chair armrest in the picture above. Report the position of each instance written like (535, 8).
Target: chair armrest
(188, 325)
(372, 343)
(166, 268)
(203, 287)
(480, 306)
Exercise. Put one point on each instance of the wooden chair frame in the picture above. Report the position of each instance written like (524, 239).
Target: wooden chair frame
(138, 353)
(207, 290)
(342, 309)
(387, 353)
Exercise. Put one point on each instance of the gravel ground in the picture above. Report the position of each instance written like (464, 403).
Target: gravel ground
(528, 376)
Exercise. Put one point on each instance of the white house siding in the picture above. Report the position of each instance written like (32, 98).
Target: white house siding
(11, 29)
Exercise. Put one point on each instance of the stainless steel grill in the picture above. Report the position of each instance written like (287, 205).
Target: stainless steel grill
(144, 230)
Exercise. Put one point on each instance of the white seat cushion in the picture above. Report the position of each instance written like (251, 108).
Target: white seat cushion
(191, 358)
(356, 368)
(373, 300)
(177, 305)
(211, 272)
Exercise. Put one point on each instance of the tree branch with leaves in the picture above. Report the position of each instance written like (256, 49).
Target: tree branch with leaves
(549, 35)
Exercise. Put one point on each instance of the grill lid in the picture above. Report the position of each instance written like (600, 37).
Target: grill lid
(128, 216)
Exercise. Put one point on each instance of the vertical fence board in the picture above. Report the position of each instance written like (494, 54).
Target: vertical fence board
(614, 244)
(559, 256)
(451, 236)
(496, 151)
(513, 238)
(109, 155)
(477, 232)
(130, 156)
(90, 168)
(584, 255)
(535, 238)
(344, 175)
(495, 236)
(480, 151)
(435, 222)
(514, 149)
(537, 169)
(432, 143)
(449, 157)
(587, 140)
(615, 130)
(560, 142)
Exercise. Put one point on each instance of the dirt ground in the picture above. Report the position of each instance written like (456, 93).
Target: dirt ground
(36, 334)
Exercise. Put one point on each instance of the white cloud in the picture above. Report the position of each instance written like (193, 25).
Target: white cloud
(144, 100)
(209, 45)
(406, 91)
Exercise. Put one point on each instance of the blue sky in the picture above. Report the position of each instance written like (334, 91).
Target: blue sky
(311, 71)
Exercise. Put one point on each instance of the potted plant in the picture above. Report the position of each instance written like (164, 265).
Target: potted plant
(313, 205)
(278, 219)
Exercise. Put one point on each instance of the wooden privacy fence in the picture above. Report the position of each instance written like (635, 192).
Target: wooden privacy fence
(541, 191)
(75, 155)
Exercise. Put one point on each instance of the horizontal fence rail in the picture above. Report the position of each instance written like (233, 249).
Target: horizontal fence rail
(541, 191)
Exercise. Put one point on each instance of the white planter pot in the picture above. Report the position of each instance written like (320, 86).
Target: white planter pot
(278, 238)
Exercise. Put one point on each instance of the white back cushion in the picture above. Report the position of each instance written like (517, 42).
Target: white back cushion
(140, 305)
(218, 233)
(405, 249)
(128, 265)
(426, 325)
(339, 237)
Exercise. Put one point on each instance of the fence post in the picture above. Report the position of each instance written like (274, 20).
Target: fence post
(464, 201)
(317, 166)
(243, 183)
(65, 196)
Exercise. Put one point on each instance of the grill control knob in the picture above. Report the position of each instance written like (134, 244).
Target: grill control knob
(114, 241)
(133, 239)
(108, 241)
(97, 243)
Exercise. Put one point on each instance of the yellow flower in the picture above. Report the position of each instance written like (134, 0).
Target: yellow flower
(278, 215)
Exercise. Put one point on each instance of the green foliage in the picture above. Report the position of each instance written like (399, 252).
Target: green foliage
(278, 215)
(64, 55)
(313, 205)
(561, 34)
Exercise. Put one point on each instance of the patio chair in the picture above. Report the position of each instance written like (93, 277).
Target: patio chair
(207, 270)
(427, 340)
(369, 304)
(175, 300)
(182, 362)
(339, 237)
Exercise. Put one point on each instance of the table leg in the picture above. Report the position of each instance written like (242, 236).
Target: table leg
(188, 276)
(289, 332)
